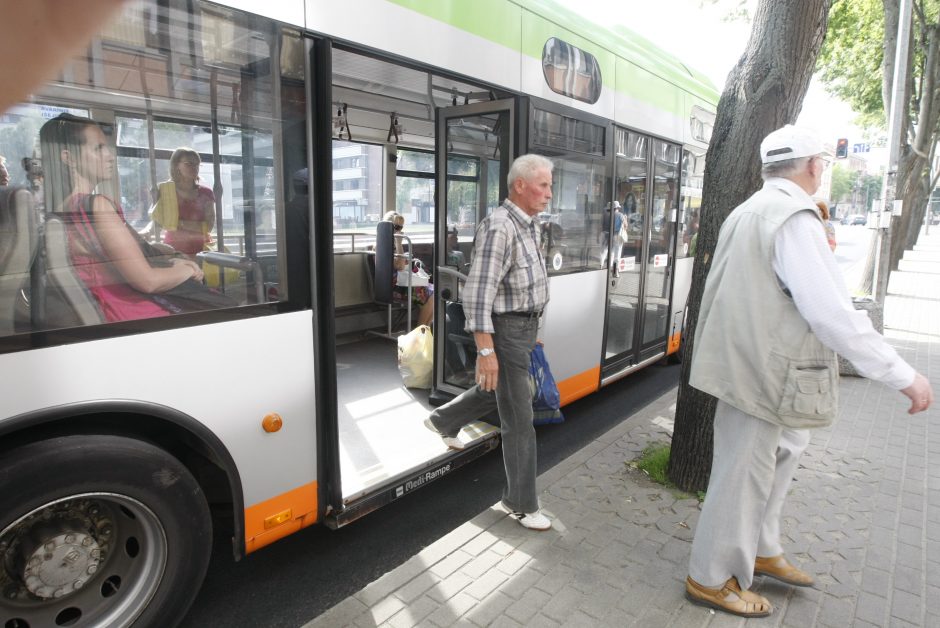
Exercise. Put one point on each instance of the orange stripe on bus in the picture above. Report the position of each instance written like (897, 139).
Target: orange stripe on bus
(674, 341)
(579, 385)
(280, 516)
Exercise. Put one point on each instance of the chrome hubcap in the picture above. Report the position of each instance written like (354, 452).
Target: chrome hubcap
(88, 560)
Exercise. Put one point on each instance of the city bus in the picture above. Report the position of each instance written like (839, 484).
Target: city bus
(120, 435)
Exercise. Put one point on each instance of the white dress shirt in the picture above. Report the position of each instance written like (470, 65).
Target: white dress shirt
(807, 267)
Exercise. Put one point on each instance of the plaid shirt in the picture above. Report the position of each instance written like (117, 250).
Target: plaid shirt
(508, 272)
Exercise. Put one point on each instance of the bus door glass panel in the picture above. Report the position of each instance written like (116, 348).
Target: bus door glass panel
(572, 225)
(630, 187)
(474, 149)
(660, 259)
(466, 205)
(690, 202)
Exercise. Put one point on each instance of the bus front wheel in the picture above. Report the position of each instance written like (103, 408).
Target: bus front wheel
(99, 530)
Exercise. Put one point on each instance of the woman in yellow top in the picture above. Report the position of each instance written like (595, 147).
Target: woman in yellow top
(185, 209)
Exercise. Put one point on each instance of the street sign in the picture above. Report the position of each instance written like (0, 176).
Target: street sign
(861, 148)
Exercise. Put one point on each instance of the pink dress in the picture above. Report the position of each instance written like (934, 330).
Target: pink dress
(193, 210)
(117, 300)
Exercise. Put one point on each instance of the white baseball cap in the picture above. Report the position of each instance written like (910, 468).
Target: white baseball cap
(790, 142)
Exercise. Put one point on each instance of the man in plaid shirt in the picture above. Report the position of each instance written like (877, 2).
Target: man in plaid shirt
(503, 300)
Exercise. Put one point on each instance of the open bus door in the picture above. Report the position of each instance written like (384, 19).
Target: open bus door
(638, 306)
(474, 151)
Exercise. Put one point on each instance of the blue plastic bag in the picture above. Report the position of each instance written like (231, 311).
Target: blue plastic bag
(546, 402)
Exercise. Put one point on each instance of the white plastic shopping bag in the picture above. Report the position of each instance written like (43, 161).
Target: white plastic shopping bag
(416, 357)
(418, 278)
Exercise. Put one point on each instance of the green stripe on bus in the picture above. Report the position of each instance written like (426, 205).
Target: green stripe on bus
(498, 21)
(525, 26)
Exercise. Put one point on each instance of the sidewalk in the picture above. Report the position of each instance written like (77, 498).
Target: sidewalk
(863, 517)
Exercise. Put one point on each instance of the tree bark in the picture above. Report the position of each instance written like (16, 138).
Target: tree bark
(913, 177)
(764, 91)
(914, 171)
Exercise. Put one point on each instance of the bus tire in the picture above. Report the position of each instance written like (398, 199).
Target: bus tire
(99, 530)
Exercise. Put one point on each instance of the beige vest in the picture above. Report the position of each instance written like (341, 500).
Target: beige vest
(752, 348)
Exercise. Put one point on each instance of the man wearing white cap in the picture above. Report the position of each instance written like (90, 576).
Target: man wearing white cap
(774, 314)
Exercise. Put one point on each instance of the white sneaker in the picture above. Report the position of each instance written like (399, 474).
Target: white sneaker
(452, 442)
(532, 520)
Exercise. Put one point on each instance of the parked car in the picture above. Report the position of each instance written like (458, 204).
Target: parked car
(859, 219)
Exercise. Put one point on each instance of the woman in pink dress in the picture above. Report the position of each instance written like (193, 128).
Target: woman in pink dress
(104, 252)
(185, 209)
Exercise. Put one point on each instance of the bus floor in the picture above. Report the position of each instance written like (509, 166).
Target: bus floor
(381, 423)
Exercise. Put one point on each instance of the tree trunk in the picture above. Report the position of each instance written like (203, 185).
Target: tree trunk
(764, 91)
(913, 176)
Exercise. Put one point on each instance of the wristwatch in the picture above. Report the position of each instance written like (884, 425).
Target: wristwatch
(485, 351)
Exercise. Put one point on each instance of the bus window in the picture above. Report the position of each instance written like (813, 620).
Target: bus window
(570, 71)
(690, 204)
(572, 229)
(134, 100)
(414, 198)
(358, 194)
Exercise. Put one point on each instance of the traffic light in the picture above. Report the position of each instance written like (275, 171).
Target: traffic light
(842, 148)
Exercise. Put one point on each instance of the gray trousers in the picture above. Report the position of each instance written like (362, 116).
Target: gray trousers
(513, 342)
(752, 468)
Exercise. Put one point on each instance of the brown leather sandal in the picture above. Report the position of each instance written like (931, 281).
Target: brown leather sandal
(780, 568)
(730, 598)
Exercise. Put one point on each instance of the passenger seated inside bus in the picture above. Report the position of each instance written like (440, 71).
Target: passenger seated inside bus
(456, 257)
(127, 278)
(184, 210)
(422, 297)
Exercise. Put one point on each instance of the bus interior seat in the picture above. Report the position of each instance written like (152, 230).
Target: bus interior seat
(19, 237)
(352, 279)
(384, 262)
(382, 284)
(68, 301)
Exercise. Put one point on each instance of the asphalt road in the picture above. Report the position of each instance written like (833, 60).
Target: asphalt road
(852, 244)
(292, 581)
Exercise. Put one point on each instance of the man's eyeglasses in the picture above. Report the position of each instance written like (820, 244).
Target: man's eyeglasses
(399, 227)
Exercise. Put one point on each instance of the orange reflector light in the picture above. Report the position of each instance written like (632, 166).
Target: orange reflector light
(272, 422)
(276, 520)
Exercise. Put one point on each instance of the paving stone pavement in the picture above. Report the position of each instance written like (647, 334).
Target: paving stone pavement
(863, 517)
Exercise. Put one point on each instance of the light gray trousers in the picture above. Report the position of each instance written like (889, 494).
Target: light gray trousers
(513, 342)
(752, 467)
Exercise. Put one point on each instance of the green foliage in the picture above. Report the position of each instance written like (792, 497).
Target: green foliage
(870, 189)
(654, 461)
(850, 61)
(854, 186)
(843, 180)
